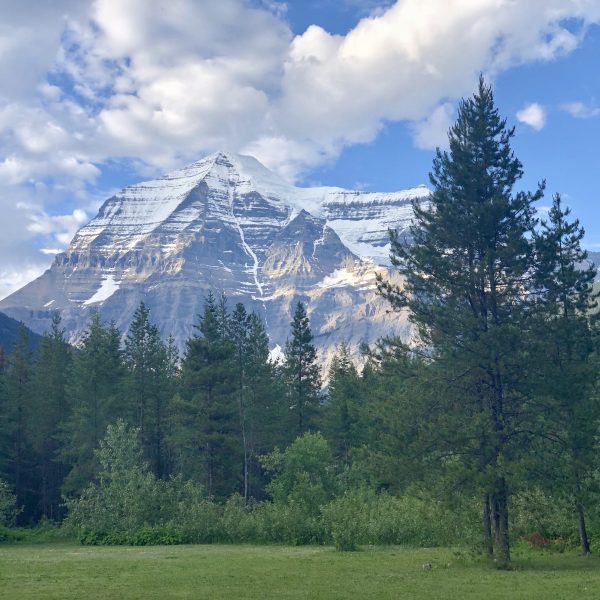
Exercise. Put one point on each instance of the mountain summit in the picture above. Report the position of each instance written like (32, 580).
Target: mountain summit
(227, 224)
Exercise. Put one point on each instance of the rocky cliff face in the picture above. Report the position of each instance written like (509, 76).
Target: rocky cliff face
(227, 224)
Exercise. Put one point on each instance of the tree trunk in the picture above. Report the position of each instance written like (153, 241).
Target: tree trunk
(502, 540)
(487, 526)
(583, 537)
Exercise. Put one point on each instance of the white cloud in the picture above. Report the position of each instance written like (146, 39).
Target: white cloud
(16, 276)
(162, 83)
(432, 132)
(533, 115)
(579, 110)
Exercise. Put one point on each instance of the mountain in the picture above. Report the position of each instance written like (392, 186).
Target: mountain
(9, 333)
(227, 224)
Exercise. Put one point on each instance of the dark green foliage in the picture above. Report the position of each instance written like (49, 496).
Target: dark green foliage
(17, 454)
(568, 363)
(466, 270)
(148, 387)
(302, 375)
(344, 422)
(51, 410)
(95, 392)
(205, 416)
(259, 395)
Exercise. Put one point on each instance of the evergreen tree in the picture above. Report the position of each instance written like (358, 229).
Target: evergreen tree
(343, 418)
(147, 362)
(50, 413)
(95, 392)
(18, 462)
(568, 367)
(466, 271)
(206, 427)
(257, 392)
(302, 375)
(239, 334)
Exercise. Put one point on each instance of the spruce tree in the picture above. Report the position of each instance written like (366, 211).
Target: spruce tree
(467, 268)
(147, 386)
(95, 392)
(567, 366)
(205, 424)
(51, 410)
(302, 375)
(258, 395)
(16, 417)
(343, 414)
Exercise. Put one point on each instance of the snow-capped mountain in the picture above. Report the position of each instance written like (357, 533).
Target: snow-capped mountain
(227, 224)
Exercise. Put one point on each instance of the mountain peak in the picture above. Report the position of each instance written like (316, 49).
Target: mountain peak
(228, 224)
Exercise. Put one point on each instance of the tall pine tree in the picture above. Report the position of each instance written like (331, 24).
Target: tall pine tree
(343, 418)
(466, 270)
(147, 386)
(19, 461)
(50, 413)
(205, 415)
(568, 366)
(302, 375)
(95, 393)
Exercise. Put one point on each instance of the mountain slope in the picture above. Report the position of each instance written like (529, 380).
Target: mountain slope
(227, 224)
(9, 333)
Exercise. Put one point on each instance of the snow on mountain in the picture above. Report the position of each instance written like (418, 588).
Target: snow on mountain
(228, 224)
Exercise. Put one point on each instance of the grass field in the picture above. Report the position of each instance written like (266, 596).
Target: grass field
(64, 570)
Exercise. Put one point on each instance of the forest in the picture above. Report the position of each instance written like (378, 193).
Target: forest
(480, 430)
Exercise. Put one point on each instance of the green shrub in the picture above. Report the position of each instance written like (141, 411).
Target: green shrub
(8, 505)
(550, 517)
(288, 523)
(346, 519)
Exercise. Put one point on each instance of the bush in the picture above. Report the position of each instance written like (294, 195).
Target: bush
(535, 512)
(304, 473)
(8, 505)
(128, 496)
(347, 519)
(288, 523)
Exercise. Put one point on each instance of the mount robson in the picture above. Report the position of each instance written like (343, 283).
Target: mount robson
(227, 224)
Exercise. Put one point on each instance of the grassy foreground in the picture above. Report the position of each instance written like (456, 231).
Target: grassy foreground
(64, 570)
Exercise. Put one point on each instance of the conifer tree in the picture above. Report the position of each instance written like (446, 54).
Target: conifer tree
(49, 392)
(568, 367)
(19, 465)
(147, 386)
(95, 392)
(343, 416)
(257, 394)
(239, 333)
(205, 429)
(466, 269)
(302, 374)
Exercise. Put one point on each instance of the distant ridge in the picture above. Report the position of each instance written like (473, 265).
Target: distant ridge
(9, 333)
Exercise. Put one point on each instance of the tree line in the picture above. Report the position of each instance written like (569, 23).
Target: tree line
(206, 417)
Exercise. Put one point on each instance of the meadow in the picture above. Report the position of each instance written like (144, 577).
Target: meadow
(67, 570)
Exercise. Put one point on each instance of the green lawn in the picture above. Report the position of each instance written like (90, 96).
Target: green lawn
(64, 570)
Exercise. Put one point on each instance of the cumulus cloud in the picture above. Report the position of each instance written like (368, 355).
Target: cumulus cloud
(161, 83)
(534, 115)
(579, 110)
(432, 132)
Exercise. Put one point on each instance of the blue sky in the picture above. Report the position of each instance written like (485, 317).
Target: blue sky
(98, 94)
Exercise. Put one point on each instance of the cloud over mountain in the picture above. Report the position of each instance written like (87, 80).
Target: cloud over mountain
(157, 84)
